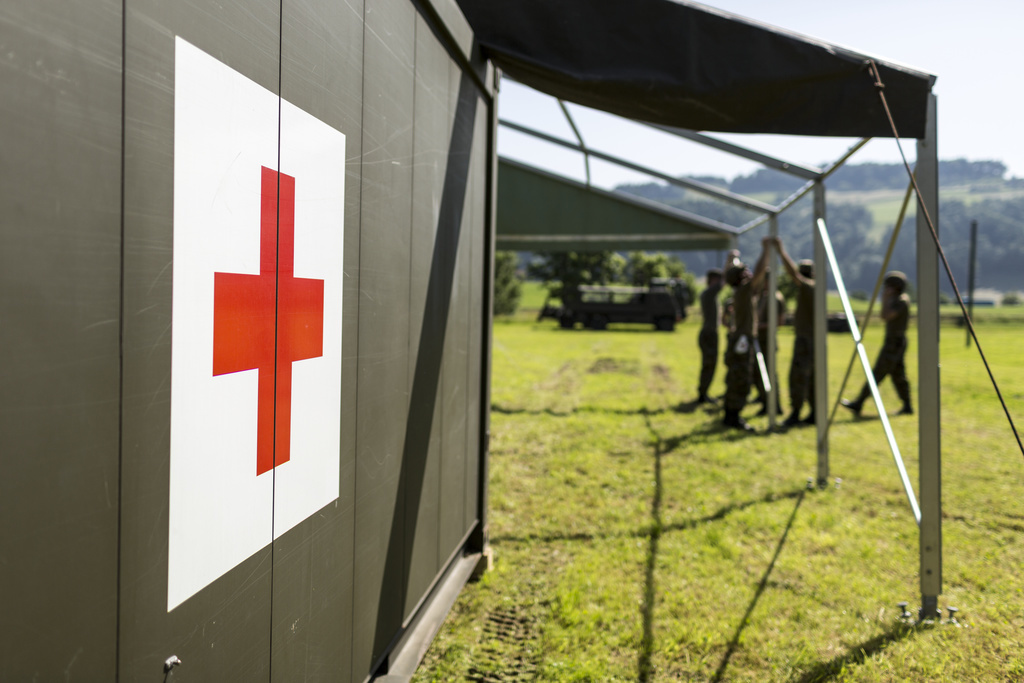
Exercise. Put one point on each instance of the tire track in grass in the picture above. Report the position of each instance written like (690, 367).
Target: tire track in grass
(507, 654)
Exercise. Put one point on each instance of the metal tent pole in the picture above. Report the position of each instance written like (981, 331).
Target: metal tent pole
(773, 325)
(820, 404)
(579, 138)
(970, 278)
(686, 183)
(930, 489)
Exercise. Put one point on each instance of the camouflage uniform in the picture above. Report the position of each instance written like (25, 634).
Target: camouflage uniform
(890, 358)
(708, 337)
(739, 355)
(801, 371)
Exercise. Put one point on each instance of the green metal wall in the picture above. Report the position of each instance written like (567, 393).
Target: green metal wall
(86, 264)
(539, 211)
(60, 271)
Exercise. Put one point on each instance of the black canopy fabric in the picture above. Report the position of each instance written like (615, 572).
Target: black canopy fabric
(682, 64)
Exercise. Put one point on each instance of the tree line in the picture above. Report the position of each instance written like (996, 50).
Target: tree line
(860, 244)
(855, 177)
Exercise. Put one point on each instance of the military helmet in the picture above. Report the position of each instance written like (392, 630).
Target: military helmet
(806, 267)
(895, 278)
(714, 272)
(735, 274)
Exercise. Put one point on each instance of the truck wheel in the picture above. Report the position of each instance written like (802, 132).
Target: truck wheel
(566, 322)
(599, 322)
(665, 324)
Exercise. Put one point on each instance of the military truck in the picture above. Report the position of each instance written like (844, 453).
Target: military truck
(663, 304)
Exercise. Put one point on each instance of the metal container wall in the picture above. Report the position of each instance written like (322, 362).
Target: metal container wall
(60, 270)
(87, 319)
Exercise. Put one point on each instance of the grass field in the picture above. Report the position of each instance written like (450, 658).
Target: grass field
(634, 539)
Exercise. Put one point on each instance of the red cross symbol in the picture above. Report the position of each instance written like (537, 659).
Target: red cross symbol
(267, 321)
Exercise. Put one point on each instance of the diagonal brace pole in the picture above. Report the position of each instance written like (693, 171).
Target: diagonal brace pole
(871, 303)
(762, 367)
(897, 458)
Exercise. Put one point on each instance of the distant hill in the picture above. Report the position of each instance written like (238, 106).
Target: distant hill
(863, 202)
(856, 178)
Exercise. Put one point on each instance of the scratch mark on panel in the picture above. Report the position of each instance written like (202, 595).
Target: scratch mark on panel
(67, 670)
(159, 276)
(98, 323)
(224, 181)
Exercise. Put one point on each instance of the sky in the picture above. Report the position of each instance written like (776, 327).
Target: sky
(972, 47)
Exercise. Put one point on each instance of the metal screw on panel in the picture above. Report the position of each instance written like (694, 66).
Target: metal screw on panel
(952, 613)
(904, 614)
(170, 663)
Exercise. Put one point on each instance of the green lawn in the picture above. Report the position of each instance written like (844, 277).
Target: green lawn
(634, 539)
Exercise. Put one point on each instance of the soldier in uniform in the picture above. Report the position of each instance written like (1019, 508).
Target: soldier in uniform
(739, 353)
(762, 341)
(708, 337)
(896, 314)
(801, 370)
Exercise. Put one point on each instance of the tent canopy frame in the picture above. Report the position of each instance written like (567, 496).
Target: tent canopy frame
(928, 516)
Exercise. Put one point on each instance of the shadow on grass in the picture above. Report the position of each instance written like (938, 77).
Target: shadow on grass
(647, 642)
(644, 665)
(639, 328)
(503, 410)
(757, 594)
(722, 432)
(830, 670)
(690, 407)
(654, 531)
(683, 525)
(994, 525)
(867, 417)
(727, 510)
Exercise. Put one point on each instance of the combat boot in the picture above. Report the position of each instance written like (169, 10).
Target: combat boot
(809, 420)
(732, 419)
(793, 419)
(853, 406)
(906, 409)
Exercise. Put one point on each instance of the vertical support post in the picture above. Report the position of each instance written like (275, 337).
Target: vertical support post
(928, 369)
(970, 279)
(480, 540)
(820, 331)
(773, 325)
